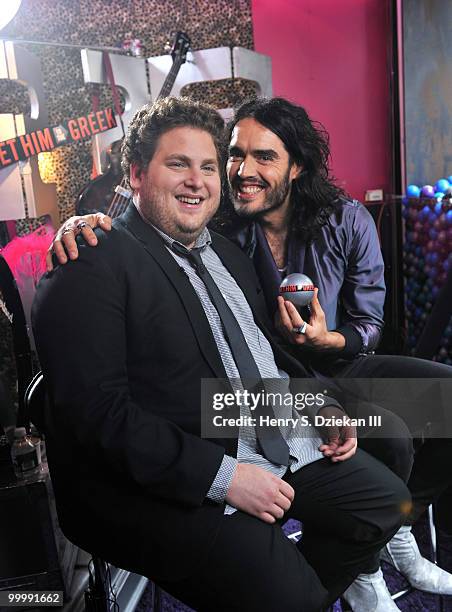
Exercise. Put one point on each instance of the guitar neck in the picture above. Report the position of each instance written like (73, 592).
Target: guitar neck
(120, 200)
(170, 79)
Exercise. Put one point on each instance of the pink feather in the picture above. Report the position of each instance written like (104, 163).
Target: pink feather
(26, 255)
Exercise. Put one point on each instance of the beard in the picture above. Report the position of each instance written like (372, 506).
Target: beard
(274, 198)
(155, 210)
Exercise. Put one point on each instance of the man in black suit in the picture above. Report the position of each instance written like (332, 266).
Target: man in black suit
(134, 480)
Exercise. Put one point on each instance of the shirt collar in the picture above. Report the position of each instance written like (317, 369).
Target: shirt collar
(202, 241)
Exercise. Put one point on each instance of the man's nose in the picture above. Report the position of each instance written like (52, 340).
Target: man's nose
(247, 167)
(194, 179)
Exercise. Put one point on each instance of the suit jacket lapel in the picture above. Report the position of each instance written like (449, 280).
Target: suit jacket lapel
(155, 247)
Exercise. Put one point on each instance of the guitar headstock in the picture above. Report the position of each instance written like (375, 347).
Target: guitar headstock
(180, 47)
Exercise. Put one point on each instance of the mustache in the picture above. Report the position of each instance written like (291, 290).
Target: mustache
(237, 182)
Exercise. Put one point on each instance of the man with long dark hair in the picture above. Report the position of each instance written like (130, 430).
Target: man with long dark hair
(286, 212)
(307, 223)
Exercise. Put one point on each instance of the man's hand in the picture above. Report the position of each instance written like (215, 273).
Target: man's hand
(64, 243)
(317, 336)
(340, 441)
(259, 493)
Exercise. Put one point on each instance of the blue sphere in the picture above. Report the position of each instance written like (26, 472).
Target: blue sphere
(424, 213)
(442, 185)
(438, 207)
(449, 217)
(427, 191)
(439, 195)
(413, 191)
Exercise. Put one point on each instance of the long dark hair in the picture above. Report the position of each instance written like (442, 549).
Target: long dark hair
(314, 193)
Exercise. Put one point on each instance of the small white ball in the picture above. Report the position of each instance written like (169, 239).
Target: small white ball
(298, 289)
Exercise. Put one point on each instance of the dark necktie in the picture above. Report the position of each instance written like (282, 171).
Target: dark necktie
(273, 445)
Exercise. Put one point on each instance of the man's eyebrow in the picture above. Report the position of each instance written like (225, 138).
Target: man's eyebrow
(234, 150)
(180, 156)
(266, 152)
(189, 160)
(271, 153)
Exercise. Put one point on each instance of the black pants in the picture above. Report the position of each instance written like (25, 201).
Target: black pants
(431, 477)
(349, 511)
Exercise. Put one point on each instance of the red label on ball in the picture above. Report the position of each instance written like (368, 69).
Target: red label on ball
(292, 288)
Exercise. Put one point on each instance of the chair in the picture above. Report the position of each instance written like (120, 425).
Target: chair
(98, 596)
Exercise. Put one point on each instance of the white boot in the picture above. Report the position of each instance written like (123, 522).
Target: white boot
(403, 553)
(369, 593)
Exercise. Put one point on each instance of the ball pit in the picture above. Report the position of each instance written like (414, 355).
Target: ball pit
(427, 214)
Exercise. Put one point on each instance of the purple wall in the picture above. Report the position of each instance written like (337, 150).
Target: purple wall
(330, 57)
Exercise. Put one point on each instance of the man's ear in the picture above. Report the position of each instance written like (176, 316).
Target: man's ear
(295, 171)
(135, 175)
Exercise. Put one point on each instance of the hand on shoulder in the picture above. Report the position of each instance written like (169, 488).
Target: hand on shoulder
(64, 244)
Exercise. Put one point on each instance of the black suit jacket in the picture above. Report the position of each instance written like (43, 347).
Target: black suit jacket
(123, 341)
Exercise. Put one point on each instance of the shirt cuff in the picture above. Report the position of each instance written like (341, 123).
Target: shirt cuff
(222, 480)
(353, 341)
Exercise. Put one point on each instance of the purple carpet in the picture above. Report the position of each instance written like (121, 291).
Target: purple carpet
(412, 601)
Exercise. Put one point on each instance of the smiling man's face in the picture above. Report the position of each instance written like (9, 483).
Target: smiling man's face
(259, 170)
(179, 191)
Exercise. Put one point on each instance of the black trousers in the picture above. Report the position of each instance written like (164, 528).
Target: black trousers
(430, 480)
(349, 511)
